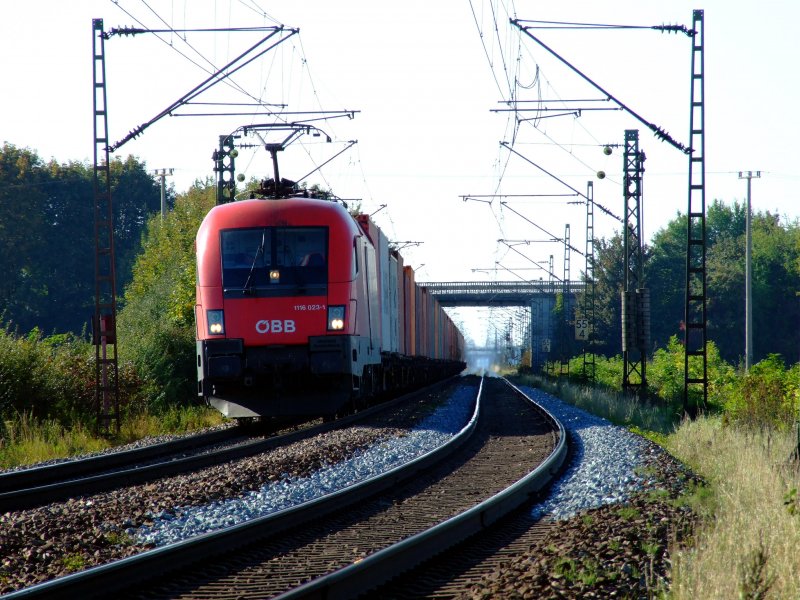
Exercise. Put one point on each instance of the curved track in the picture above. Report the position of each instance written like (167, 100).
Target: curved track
(276, 554)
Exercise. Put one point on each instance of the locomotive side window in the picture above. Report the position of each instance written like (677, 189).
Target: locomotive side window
(274, 261)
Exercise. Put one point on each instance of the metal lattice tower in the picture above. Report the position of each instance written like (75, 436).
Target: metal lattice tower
(589, 294)
(634, 311)
(547, 343)
(105, 295)
(565, 298)
(537, 361)
(694, 340)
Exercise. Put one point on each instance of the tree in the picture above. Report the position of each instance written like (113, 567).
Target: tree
(665, 276)
(21, 203)
(609, 277)
(776, 280)
(156, 325)
(47, 236)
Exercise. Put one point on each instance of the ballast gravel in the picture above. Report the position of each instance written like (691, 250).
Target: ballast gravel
(185, 522)
(59, 538)
(604, 541)
(605, 466)
(91, 531)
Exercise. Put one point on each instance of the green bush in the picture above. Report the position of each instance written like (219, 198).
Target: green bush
(765, 397)
(46, 377)
(156, 326)
(53, 378)
(162, 352)
(665, 383)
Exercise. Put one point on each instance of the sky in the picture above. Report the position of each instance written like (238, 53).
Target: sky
(430, 83)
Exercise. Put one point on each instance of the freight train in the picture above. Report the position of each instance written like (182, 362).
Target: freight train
(303, 309)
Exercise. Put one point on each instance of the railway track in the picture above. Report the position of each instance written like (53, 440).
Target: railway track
(39, 485)
(27, 488)
(393, 521)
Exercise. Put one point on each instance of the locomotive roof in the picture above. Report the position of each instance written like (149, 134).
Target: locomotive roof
(288, 211)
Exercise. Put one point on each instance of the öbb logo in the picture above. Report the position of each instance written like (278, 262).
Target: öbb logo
(275, 326)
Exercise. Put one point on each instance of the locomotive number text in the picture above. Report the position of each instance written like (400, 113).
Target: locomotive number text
(309, 307)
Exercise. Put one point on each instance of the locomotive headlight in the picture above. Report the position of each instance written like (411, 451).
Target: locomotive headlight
(335, 318)
(274, 276)
(216, 322)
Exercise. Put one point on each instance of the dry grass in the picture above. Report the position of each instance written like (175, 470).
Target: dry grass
(28, 441)
(751, 547)
(748, 546)
(175, 420)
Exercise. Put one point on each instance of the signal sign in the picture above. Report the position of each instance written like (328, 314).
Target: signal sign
(582, 328)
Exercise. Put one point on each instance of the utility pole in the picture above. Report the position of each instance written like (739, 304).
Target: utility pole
(748, 275)
(162, 173)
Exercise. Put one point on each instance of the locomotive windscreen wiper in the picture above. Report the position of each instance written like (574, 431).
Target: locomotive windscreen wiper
(247, 287)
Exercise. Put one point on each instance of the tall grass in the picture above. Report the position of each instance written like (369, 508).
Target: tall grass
(174, 419)
(751, 547)
(47, 401)
(748, 544)
(28, 440)
(654, 420)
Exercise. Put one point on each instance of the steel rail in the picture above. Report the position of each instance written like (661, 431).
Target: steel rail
(105, 580)
(70, 469)
(382, 566)
(40, 494)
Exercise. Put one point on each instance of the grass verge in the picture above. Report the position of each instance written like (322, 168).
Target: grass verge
(28, 441)
(748, 542)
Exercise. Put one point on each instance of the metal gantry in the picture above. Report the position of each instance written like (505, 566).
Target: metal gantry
(104, 322)
(635, 301)
(694, 335)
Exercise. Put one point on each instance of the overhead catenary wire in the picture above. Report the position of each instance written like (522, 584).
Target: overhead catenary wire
(230, 83)
(512, 102)
(259, 100)
(659, 132)
(214, 78)
(553, 238)
(581, 194)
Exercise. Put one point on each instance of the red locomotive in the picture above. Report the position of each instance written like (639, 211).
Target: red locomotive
(304, 310)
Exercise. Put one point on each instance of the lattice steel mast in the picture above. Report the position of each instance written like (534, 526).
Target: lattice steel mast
(104, 322)
(635, 297)
(694, 335)
(567, 306)
(589, 293)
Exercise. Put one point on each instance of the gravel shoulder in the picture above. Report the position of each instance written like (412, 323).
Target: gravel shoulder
(620, 506)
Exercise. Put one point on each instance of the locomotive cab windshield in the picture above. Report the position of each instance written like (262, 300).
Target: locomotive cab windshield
(274, 261)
